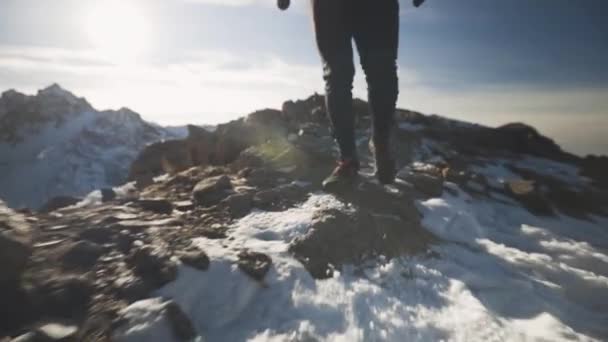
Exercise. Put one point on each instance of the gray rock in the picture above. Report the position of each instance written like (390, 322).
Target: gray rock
(153, 265)
(338, 237)
(159, 206)
(212, 190)
(99, 235)
(530, 196)
(195, 258)
(83, 254)
(428, 184)
(239, 205)
(63, 296)
(254, 264)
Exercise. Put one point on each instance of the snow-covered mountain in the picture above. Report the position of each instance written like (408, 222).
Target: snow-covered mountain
(56, 144)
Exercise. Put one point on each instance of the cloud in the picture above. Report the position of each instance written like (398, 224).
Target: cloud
(203, 86)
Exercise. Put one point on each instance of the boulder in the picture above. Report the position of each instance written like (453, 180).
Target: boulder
(212, 190)
(153, 265)
(338, 237)
(196, 259)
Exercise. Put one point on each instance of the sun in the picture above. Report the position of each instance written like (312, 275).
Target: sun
(118, 29)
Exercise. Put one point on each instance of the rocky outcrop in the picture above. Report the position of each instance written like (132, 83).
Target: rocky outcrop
(173, 156)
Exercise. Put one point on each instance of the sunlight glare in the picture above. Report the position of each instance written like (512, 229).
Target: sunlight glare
(117, 29)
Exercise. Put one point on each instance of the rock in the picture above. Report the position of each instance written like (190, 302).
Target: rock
(59, 202)
(181, 325)
(521, 138)
(143, 181)
(530, 196)
(215, 231)
(196, 258)
(239, 205)
(212, 190)
(83, 255)
(63, 296)
(596, 168)
(265, 117)
(338, 237)
(310, 109)
(159, 206)
(254, 264)
(98, 235)
(15, 244)
(520, 187)
(280, 197)
(132, 288)
(333, 239)
(153, 264)
(172, 156)
(428, 184)
(124, 241)
(107, 195)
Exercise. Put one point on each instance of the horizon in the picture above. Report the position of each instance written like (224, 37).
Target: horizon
(207, 61)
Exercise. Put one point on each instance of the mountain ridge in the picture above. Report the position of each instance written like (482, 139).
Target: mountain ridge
(56, 144)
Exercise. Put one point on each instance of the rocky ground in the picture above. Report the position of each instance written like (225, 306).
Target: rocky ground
(71, 269)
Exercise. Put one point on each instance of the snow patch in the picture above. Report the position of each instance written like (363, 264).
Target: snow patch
(501, 274)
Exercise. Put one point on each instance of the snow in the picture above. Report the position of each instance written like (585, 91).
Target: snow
(91, 150)
(500, 274)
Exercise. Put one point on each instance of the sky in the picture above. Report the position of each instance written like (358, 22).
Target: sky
(542, 62)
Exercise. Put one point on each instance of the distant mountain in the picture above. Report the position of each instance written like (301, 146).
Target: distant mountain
(55, 143)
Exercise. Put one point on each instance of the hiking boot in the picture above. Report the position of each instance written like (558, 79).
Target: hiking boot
(344, 175)
(386, 169)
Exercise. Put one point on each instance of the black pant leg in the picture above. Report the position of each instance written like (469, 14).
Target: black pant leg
(333, 31)
(376, 33)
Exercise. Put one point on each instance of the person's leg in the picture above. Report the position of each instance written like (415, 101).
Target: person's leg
(376, 33)
(333, 31)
